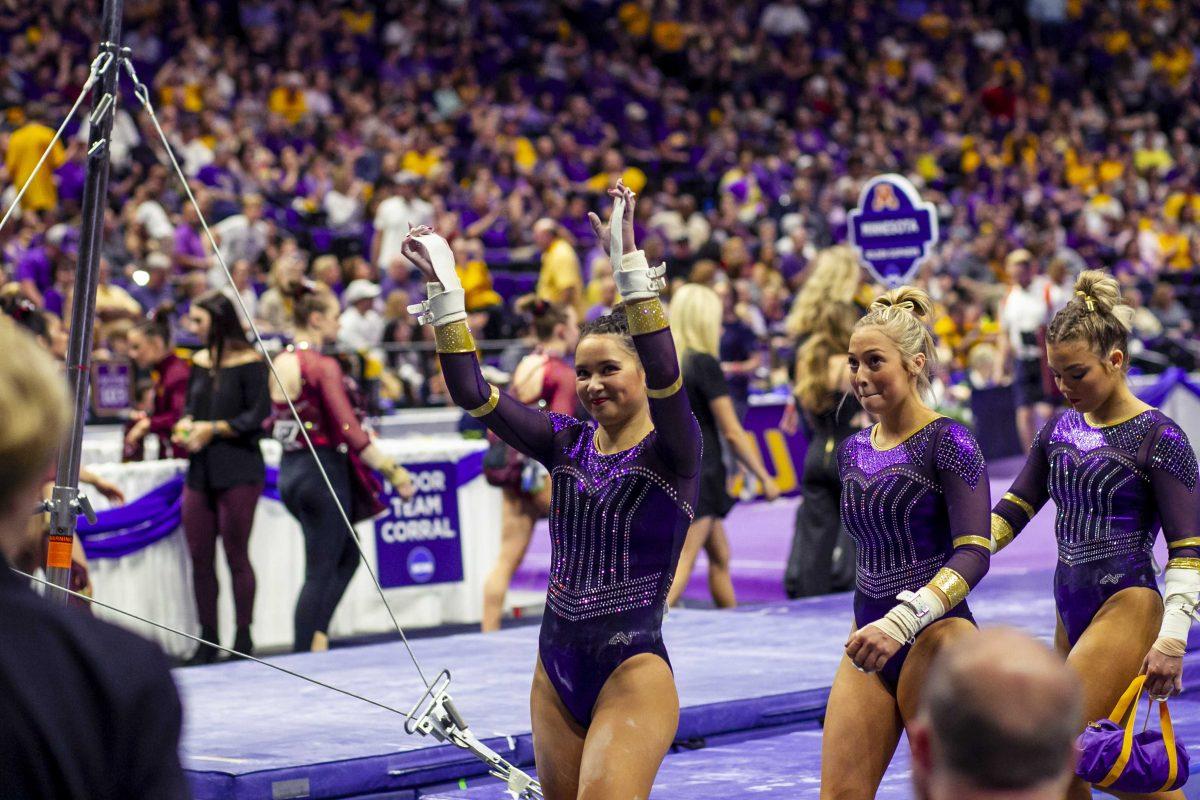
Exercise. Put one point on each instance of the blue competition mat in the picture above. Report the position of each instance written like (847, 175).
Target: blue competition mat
(250, 732)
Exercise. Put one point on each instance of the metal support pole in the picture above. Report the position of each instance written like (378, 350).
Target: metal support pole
(66, 503)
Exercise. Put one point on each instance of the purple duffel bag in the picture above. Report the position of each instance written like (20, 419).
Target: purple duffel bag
(1112, 756)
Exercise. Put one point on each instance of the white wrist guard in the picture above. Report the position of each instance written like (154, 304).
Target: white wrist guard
(636, 279)
(442, 306)
(915, 613)
(445, 301)
(1179, 601)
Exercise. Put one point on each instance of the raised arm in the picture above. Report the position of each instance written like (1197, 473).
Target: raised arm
(678, 439)
(1028, 493)
(524, 428)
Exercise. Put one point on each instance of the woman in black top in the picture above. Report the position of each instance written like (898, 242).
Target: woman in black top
(227, 402)
(831, 413)
(696, 327)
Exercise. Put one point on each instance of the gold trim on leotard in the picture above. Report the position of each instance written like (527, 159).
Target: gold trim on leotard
(454, 337)
(1184, 563)
(951, 584)
(1193, 541)
(1026, 507)
(646, 316)
(660, 394)
(978, 541)
(1002, 532)
(488, 407)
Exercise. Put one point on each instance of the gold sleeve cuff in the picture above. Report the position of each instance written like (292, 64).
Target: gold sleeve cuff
(1192, 542)
(1002, 532)
(646, 316)
(1026, 507)
(454, 338)
(1184, 563)
(951, 584)
(978, 541)
(659, 394)
(488, 407)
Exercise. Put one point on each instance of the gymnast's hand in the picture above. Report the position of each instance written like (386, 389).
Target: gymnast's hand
(870, 648)
(415, 252)
(601, 229)
(1164, 674)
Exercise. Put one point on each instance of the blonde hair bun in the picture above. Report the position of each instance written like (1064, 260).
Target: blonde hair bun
(1104, 293)
(908, 298)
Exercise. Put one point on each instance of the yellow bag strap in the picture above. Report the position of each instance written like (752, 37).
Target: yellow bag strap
(1130, 698)
(1168, 734)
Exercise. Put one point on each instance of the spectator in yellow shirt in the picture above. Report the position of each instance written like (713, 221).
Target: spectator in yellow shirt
(474, 273)
(25, 148)
(1175, 247)
(288, 100)
(614, 169)
(560, 280)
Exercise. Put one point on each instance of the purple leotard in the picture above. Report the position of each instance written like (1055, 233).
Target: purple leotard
(907, 508)
(1114, 487)
(617, 522)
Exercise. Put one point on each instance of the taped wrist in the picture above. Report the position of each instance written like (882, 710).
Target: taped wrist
(915, 612)
(441, 306)
(636, 279)
(1180, 595)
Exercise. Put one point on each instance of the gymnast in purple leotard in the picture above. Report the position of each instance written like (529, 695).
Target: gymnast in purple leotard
(1117, 470)
(624, 487)
(915, 499)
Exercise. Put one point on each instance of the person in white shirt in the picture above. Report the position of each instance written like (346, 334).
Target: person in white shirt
(1024, 311)
(361, 326)
(395, 217)
(243, 285)
(242, 236)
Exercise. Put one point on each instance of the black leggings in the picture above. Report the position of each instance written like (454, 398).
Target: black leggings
(330, 555)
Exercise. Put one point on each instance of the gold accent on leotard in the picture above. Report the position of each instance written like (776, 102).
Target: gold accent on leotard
(454, 337)
(488, 407)
(951, 584)
(659, 394)
(1002, 532)
(646, 316)
(978, 541)
(1026, 507)
(1184, 563)
(1193, 541)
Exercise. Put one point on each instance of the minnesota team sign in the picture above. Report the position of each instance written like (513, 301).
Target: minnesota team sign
(892, 229)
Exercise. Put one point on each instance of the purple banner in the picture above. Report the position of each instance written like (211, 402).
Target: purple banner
(783, 455)
(892, 229)
(417, 541)
(111, 388)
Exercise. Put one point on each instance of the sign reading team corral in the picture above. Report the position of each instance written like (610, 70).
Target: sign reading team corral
(892, 229)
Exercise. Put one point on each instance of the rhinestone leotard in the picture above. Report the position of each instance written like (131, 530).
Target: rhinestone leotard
(617, 521)
(912, 510)
(1113, 488)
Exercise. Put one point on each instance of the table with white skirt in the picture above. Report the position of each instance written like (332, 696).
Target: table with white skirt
(156, 581)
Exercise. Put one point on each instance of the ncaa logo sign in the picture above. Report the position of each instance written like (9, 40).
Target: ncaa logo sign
(421, 564)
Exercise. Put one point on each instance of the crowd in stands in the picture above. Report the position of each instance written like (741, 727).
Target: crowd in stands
(316, 133)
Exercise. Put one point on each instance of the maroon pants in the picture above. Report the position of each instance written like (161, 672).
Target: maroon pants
(228, 513)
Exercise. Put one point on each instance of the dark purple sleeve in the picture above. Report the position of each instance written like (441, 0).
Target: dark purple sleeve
(520, 426)
(678, 439)
(963, 476)
(1028, 493)
(1173, 476)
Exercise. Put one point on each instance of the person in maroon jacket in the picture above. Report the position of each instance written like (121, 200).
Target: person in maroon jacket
(314, 384)
(150, 349)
